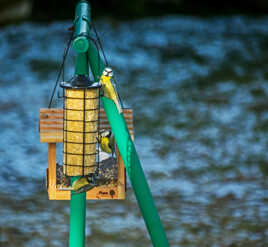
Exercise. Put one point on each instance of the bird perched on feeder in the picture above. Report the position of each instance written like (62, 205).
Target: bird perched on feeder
(109, 90)
(106, 175)
(107, 141)
(83, 184)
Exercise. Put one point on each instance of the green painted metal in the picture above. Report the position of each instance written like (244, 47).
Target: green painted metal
(77, 218)
(78, 201)
(81, 27)
(81, 64)
(95, 62)
(80, 45)
(123, 140)
(131, 160)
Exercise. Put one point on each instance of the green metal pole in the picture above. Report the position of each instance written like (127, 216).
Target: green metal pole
(131, 160)
(77, 218)
(78, 201)
(123, 140)
(81, 64)
(80, 45)
(82, 27)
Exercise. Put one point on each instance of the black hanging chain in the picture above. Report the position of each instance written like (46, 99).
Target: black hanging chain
(105, 59)
(100, 44)
(61, 70)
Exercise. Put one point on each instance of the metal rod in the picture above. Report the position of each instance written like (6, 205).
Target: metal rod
(131, 159)
(123, 141)
(81, 64)
(77, 218)
(81, 27)
(80, 45)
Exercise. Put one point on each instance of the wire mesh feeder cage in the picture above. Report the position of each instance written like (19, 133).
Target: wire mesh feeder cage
(80, 126)
(77, 125)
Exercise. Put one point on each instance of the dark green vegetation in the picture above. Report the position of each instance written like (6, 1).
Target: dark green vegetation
(199, 93)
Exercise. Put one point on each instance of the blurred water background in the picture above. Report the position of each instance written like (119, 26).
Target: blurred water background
(198, 87)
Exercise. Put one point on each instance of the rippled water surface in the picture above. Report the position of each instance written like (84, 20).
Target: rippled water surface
(199, 92)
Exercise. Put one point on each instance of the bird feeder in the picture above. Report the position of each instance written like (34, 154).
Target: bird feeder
(77, 125)
(80, 126)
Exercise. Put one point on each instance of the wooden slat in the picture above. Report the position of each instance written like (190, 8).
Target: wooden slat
(46, 128)
(59, 117)
(59, 123)
(51, 167)
(51, 123)
(60, 110)
(50, 127)
(98, 193)
(51, 110)
(106, 122)
(47, 116)
(51, 137)
(127, 117)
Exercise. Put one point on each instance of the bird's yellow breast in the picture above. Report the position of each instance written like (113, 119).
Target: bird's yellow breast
(105, 145)
(108, 88)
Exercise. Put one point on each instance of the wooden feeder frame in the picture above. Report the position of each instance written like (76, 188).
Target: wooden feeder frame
(51, 132)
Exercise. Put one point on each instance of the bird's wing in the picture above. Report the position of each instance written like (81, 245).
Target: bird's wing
(114, 84)
(115, 89)
(110, 146)
(112, 143)
(82, 185)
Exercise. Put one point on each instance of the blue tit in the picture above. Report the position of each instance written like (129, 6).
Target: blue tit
(109, 87)
(107, 141)
(83, 184)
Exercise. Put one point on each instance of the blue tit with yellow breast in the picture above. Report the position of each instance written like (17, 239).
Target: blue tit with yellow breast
(109, 88)
(107, 141)
(83, 184)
